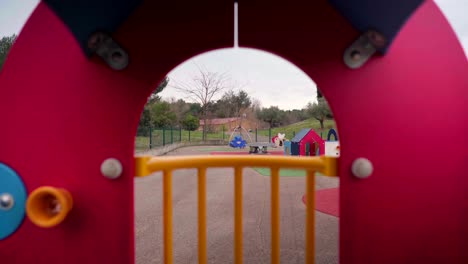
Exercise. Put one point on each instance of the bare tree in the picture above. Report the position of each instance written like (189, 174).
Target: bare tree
(202, 88)
(256, 105)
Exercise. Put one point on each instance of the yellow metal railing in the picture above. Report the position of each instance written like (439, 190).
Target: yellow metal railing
(325, 165)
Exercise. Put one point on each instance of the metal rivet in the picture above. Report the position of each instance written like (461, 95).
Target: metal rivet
(111, 168)
(355, 55)
(6, 201)
(105, 47)
(363, 49)
(377, 39)
(362, 168)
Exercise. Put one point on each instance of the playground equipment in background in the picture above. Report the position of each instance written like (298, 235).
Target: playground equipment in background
(306, 143)
(107, 78)
(332, 132)
(262, 147)
(309, 143)
(276, 153)
(238, 130)
(332, 147)
(287, 148)
(278, 140)
(237, 142)
(259, 147)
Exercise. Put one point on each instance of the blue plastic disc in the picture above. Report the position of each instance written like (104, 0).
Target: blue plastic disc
(12, 201)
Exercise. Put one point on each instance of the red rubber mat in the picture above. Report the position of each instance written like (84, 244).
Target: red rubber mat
(326, 201)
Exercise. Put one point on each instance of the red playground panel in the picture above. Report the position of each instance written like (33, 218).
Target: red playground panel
(384, 67)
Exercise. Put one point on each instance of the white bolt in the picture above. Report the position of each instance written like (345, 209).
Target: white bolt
(6, 201)
(111, 168)
(362, 168)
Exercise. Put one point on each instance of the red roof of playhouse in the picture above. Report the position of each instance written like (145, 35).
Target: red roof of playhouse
(219, 121)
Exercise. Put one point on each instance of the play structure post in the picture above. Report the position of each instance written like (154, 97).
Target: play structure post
(269, 134)
(150, 137)
(180, 134)
(164, 136)
(189, 135)
(256, 134)
(223, 133)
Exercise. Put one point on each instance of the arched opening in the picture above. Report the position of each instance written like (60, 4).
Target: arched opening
(299, 109)
(382, 218)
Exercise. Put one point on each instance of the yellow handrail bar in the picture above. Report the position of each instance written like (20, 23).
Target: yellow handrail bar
(167, 210)
(145, 165)
(275, 216)
(202, 258)
(238, 215)
(310, 217)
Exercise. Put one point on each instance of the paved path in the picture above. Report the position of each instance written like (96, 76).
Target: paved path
(148, 220)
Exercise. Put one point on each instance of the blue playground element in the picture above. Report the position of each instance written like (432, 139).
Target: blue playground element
(331, 133)
(287, 148)
(387, 17)
(93, 15)
(296, 140)
(238, 142)
(12, 201)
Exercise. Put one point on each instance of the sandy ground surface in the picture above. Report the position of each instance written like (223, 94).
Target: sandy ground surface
(220, 217)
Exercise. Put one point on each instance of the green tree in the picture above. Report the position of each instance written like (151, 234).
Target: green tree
(293, 116)
(319, 93)
(272, 115)
(319, 110)
(232, 104)
(161, 115)
(145, 123)
(195, 109)
(145, 117)
(5, 45)
(180, 109)
(190, 122)
(154, 97)
(242, 100)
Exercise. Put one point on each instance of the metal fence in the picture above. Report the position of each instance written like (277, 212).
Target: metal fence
(149, 138)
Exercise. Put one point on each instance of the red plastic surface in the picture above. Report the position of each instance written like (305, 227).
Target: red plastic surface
(326, 201)
(310, 138)
(62, 115)
(413, 209)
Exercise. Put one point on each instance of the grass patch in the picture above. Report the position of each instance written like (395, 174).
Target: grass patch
(198, 135)
(162, 137)
(141, 142)
(283, 172)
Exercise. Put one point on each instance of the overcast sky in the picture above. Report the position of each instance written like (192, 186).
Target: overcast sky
(259, 72)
